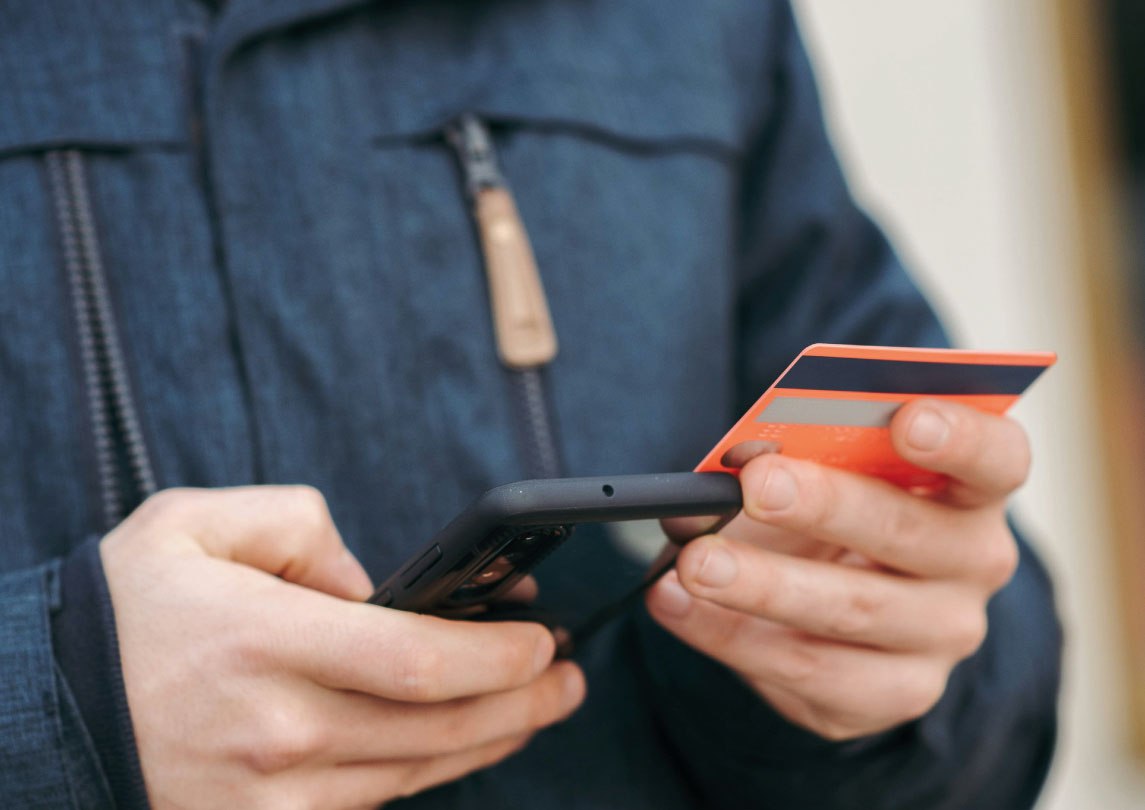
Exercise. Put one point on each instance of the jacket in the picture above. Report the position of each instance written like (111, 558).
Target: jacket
(235, 248)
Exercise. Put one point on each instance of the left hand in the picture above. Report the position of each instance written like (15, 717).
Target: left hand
(842, 600)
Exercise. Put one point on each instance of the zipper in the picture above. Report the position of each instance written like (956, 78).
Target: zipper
(522, 324)
(123, 462)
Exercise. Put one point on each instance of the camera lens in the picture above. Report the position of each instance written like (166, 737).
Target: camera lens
(519, 554)
(493, 572)
(487, 576)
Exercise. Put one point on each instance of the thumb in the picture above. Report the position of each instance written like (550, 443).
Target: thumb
(283, 530)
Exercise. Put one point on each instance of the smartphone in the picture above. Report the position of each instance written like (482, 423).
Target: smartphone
(508, 531)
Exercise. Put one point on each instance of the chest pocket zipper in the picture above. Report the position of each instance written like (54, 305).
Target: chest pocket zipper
(123, 462)
(522, 324)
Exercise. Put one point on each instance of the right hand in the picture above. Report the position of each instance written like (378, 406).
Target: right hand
(257, 678)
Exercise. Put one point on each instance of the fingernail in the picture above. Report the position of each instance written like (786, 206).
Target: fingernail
(779, 489)
(928, 431)
(718, 568)
(671, 598)
(544, 653)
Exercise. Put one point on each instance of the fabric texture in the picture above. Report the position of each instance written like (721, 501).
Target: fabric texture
(87, 653)
(300, 298)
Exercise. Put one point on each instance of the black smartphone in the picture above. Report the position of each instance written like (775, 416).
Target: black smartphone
(509, 530)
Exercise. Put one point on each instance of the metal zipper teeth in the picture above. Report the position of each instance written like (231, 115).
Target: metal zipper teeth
(110, 398)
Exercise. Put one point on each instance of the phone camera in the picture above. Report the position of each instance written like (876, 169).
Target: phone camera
(524, 548)
(494, 572)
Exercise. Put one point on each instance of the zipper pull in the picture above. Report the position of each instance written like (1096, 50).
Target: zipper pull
(521, 320)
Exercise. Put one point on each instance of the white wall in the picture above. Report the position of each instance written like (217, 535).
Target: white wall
(949, 121)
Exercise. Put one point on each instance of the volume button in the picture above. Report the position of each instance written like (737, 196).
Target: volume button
(418, 567)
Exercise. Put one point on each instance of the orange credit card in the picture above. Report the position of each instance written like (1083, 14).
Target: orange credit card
(834, 405)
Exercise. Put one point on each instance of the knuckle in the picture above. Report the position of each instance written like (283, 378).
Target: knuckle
(408, 780)
(514, 657)
(969, 632)
(159, 501)
(836, 731)
(819, 498)
(971, 439)
(835, 722)
(503, 750)
(516, 745)
(1017, 469)
(967, 442)
(415, 777)
(244, 651)
(255, 794)
(921, 693)
(165, 502)
(287, 799)
(532, 708)
(465, 727)
(265, 801)
(419, 671)
(999, 560)
(311, 506)
(539, 709)
(901, 526)
(283, 739)
(392, 779)
(766, 595)
(798, 665)
(721, 638)
(855, 617)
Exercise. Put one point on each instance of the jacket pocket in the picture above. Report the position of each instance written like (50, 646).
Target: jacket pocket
(626, 190)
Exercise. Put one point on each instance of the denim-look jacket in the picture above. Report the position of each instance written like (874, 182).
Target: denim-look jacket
(235, 248)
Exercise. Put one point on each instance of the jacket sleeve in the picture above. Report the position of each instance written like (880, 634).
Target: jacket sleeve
(47, 760)
(815, 269)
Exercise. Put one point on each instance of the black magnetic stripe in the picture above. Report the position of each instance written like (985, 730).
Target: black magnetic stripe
(907, 376)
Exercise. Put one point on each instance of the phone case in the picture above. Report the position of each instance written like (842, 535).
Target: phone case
(510, 529)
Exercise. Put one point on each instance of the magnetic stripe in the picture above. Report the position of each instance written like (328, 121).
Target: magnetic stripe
(907, 376)
(846, 412)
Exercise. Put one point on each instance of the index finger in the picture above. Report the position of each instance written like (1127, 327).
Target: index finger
(409, 656)
(987, 455)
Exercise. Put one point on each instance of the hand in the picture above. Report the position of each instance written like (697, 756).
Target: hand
(250, 691)
(843, 600)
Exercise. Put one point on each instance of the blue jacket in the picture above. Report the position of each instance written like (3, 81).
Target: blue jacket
(235, 248)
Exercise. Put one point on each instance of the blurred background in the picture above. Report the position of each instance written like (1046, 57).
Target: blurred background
(1000, 144)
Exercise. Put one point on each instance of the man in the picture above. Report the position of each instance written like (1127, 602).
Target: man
(237, 249)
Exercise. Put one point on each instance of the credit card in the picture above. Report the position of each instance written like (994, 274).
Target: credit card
(834, 405)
